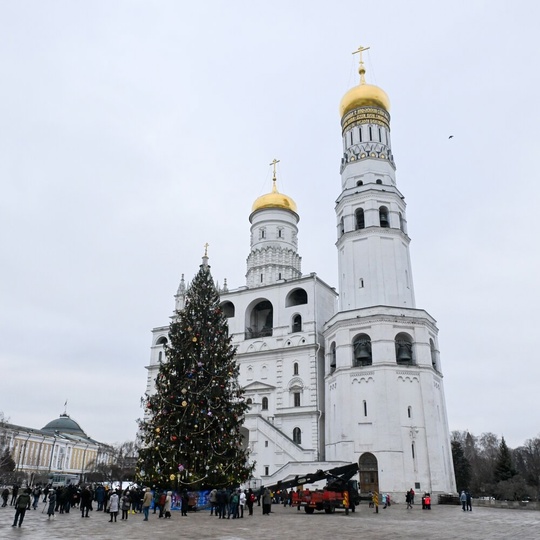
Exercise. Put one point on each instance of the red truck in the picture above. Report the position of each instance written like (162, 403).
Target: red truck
(340, 491)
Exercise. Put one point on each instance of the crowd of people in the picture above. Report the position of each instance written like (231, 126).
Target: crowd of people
(223, 503)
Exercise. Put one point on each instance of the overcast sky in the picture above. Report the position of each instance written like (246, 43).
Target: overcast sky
(133, 132)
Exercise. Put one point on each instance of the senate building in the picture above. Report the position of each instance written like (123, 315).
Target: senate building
(353, 376)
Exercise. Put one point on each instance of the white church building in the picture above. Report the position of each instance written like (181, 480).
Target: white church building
(334, 379)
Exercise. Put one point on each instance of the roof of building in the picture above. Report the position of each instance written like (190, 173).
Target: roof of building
(64, 424)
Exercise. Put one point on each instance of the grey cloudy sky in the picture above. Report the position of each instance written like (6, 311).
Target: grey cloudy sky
(132, 132)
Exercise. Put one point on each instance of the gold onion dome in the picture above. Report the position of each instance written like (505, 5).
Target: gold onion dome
(274, 199)
(363, 95)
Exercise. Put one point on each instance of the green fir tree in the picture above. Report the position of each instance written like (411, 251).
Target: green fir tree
(504, 467)
(192, 437)
(462, 467)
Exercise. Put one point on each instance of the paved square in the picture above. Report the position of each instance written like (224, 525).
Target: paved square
(394, 523)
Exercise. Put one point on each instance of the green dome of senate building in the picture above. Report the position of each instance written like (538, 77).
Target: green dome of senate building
(64, 424)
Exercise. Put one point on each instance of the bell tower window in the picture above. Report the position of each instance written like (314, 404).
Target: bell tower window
(297, 323)
(362, 350)
(383, 217)
(360, 222)
(404, 349)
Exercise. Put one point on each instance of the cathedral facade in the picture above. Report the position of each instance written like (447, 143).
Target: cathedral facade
(334, 379)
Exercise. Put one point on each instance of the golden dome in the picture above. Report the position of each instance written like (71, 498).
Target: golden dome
(364, 95)
(274, 200)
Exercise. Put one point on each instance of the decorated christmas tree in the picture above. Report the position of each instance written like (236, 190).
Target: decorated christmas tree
(191, 437)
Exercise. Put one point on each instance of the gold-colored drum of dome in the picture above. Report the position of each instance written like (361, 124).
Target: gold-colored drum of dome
(364, 95)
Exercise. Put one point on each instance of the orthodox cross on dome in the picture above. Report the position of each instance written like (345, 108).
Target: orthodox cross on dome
(205, 256)
(274, 163)
(361, 68)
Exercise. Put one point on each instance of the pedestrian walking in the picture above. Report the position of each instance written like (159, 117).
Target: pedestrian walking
(146, 502)
(469, 501)
(52, 503)
(36, 492)
(408, 499)
(242, 502)
(212, 499)
(266, 502)
(463, 501)
(125, 504)
(14, 493)
(113, 506)
(86, 501)
(185, 502)
(5, 497)
(22, 504)
(168, 504)
(250, 500)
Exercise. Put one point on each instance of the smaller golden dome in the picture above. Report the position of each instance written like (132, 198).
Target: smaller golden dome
(274, 200)
(364, 95)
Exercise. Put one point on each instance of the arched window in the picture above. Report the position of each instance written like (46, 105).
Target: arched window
(261, 320)
(401, 222)
(297, 435)
(333, 357)
(295, 368)
(228, 309)
(365, 407)
(162, 341)
(404, 349)
(433, 354)
(296, 298)
(160, 356)
(249, 401)
(359, 183)
(264, 404)
(409, 412)
(383, 217)
(297, 323)
(341, 227)
(359, 214)
(362, 350)
(378, 181)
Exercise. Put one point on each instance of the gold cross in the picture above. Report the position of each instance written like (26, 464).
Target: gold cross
(361, 68)
(206, 249)
(274, 163)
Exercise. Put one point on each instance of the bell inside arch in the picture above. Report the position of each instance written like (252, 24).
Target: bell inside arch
(362, 352)
(404, 352)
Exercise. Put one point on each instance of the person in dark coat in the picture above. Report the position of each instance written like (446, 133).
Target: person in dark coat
(52, 503)
(21, 506)
(185, 502)
(14, 493)
(221, 501)
(99, 496)
(5, 497)
(266, 502)
(86, 501)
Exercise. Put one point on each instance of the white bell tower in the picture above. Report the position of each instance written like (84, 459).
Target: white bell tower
(385, 405)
